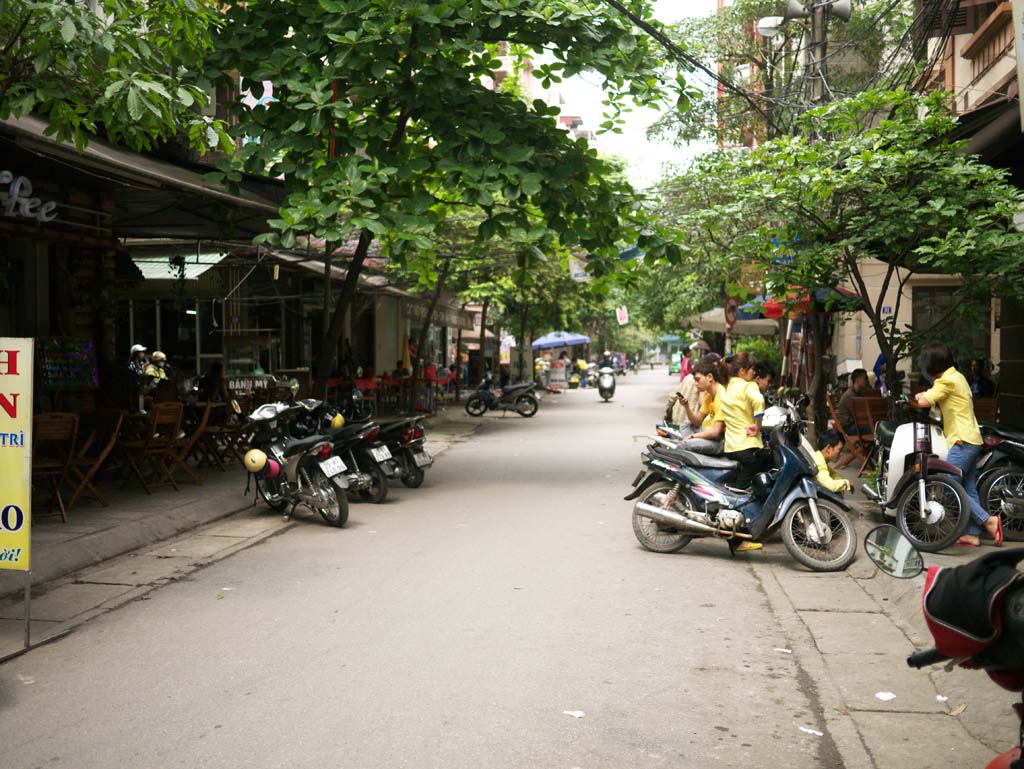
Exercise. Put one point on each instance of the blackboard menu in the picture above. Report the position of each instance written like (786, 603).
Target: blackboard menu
(68, 364)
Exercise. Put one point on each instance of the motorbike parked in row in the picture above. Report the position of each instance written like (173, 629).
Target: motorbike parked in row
(923, 491)
(682, 495)
(368, 461)
(290, 470)
(974, 612)
(606, 383)
(520, 398)
(406, 439)
(1001, 476)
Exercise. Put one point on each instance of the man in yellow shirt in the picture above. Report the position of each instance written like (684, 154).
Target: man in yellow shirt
(951, 393)
(830, 446)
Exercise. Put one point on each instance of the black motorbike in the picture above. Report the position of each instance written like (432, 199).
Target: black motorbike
(368, 460)
(1001, 476)
(406, 439)
(291, 470)
(520, 398)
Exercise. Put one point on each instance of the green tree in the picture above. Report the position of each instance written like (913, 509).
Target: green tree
(128, 69)
(383, 119)
(890, 190)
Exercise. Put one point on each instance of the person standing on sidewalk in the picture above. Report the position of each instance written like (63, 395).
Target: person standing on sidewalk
(951, 393)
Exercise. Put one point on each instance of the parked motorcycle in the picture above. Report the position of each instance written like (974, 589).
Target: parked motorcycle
(405, 438)
(520, 398)
(682, 495)
(290, 471)
(606, 383)
(1001, 476)
(930, 504)
(368, 461)
(975, 613)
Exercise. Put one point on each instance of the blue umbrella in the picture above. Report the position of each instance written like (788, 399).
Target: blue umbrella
(559, 339)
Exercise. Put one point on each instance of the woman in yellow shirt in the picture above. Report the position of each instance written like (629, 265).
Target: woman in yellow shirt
(951, 393)
(708, 440)
(742, 407)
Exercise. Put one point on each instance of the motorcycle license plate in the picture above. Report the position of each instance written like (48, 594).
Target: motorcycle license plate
(382, 454)
(332, 466)
(422, 458)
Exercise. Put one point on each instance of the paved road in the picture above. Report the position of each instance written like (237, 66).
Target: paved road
(450, 627)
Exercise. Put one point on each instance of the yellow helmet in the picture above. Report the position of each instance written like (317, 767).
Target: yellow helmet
(254, 460)
(337, 421)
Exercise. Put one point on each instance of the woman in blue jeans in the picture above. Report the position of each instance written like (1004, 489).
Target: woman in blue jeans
(951, 393)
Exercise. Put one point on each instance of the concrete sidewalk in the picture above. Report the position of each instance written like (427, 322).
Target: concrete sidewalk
(852, 633)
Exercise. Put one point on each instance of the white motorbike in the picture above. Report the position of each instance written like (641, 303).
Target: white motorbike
(916, 485)
(606, 382)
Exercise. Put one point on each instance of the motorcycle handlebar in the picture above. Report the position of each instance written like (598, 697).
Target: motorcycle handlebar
(926, 658)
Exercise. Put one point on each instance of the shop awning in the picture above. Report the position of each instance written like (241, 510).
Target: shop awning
(796, 302)
(155, 198)
(714, 321)
(160, 268)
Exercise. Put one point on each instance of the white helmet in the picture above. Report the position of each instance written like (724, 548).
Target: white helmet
(138, 348)
(158, 356)
(607, 353)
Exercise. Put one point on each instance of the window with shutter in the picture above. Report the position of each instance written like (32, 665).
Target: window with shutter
(960, 17)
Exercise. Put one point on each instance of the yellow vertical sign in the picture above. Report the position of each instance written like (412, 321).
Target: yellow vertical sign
(16, 369)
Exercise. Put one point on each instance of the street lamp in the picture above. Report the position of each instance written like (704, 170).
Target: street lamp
(770, 26)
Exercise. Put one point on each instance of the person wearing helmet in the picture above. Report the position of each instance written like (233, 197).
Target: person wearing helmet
(156, 369)
(137, 361)
(606, 360)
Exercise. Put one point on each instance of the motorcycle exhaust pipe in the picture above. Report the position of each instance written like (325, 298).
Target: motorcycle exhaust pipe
(678, 521)
(871, 492)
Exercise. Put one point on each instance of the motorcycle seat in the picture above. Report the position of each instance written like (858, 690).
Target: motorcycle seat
(1006, 432)
(298, 445)
(886, 432)
(693, 459)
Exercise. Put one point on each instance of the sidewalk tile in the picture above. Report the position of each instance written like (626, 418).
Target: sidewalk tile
(196, 546)
(855, 633)
(903, 741)
(141, 570)
(826, 592)
(861, 676)
(65, 602)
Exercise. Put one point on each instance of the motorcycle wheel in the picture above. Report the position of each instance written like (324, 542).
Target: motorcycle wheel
(526, 405)
(413, 477)
(655, 536)
(476, 407)
(378, 490)
(270, 492)
(336, 510)
(801, 538)
(952, 511)
(1005, 479)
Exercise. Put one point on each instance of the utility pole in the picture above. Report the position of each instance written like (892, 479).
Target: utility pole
(819, 93)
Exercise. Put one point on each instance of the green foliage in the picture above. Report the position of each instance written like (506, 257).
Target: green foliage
(773, 70)
(765, 350)
(400, 89)
(887, 191)
(132, 71)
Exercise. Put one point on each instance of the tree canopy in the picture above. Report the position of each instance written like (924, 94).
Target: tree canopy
(131, 70)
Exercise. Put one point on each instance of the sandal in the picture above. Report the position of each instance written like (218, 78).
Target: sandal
(997, 535)
(964, 542)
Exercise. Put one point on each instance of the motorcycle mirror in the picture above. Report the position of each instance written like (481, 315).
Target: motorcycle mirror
(893, 553)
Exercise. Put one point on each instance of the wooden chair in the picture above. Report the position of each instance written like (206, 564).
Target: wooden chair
(867, 412)
(853, 442)
(223, 442)
(986, 409)
(178, 458)
(157, 447)
(93, 454)
(53, 450)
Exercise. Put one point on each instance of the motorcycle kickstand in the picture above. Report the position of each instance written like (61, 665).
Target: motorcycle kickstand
(290, 512)
(733, 543)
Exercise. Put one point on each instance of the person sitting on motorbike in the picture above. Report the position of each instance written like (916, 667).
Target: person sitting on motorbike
(951, 393)
(830, 446)
(742, 408)
(606, 360)
(709, 439)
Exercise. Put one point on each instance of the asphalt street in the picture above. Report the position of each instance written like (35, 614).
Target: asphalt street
(462, 625)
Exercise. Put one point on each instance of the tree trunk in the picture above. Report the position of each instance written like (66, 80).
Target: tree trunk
(458, 362)
(524, 312)
(819, 383)
(329, 355)
(421, 340)
(482, 363)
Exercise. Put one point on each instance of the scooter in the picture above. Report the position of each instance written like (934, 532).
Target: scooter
(606, 383)
(290, 471)
(405, 438)
(924, 491)
(682, 495)
(368, 462)
(975, 613)
(519, 398)
(1001, 476)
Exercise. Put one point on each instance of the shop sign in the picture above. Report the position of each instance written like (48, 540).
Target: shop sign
(16, 367)
(17, 199)
(622, 315)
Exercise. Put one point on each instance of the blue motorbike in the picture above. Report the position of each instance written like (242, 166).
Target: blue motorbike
(681, 495)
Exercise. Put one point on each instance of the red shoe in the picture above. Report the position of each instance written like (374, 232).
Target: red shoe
(966, 543)
(998, 536)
